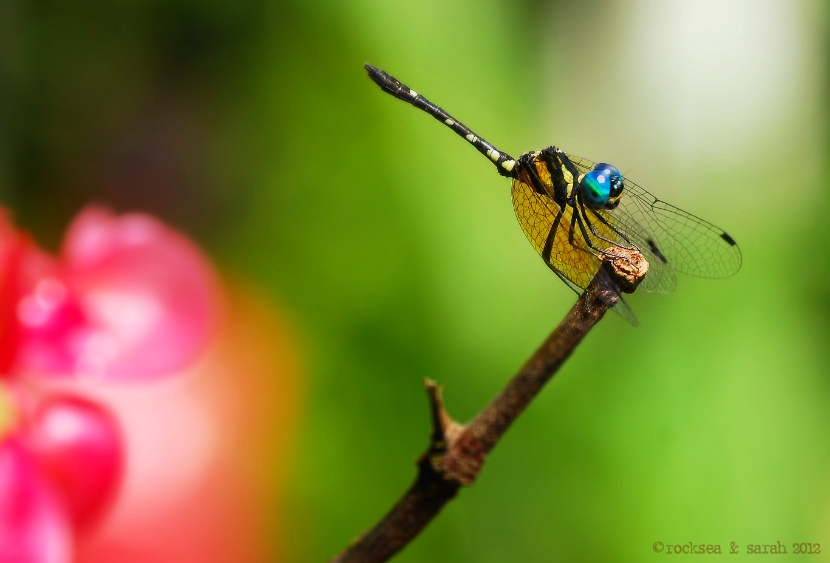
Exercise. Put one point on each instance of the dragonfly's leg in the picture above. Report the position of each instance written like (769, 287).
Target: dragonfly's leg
(572, 231)
(546, 251)
(574, 219)
(612, 227)
(577, 220)
(590, 244)
(604, 222)
(594, 232)
(615, 244)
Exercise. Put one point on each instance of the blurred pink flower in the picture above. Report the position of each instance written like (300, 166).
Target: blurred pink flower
(77, 443)
(15, 247)
(127, 299)
(33, 524)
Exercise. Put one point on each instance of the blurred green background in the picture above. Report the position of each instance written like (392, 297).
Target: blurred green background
(393, 245)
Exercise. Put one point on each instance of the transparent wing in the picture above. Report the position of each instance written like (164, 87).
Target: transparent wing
(660, 277)
(672, 236)
(625, 231)
(621, 307)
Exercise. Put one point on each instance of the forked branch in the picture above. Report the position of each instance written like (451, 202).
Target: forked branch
(457, 452)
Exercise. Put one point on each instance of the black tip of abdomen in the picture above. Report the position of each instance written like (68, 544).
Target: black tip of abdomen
(374, 73)
(385, 81)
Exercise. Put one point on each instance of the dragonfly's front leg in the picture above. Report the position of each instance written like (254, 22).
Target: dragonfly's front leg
(601, 219)
(604, 222)
(576, 220)
(589, 242)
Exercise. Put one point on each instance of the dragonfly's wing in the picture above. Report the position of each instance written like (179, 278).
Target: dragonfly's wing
(569, 258)
(660, 277)
(537, 214)
(623, 310)
(686, 243)
(627, 230)
(621, 307)
(690, 244)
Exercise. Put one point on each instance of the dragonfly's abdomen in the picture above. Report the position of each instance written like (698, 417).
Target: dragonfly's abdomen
(504, 163)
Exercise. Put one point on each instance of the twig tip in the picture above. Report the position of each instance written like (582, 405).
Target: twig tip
(628, 267)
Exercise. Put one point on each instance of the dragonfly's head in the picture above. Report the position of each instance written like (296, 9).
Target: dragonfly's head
(602, 187)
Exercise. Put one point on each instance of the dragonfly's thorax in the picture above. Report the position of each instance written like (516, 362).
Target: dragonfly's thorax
(549, 173)
(552, 173)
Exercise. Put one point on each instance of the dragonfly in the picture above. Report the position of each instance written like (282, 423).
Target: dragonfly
(578, 213)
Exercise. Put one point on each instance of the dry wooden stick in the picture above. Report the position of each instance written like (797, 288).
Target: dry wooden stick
(457, 452)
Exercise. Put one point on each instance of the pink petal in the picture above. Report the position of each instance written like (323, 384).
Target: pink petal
(48, 316)
(131, 299)
(33, 526)
(79, 446)
(15, 248)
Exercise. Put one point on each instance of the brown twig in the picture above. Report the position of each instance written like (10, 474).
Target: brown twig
(456, 453)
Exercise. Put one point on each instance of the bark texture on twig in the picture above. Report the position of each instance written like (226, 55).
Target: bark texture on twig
(457, 452)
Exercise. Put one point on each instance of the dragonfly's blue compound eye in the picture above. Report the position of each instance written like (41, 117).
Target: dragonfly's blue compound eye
(617, 183)
(596, 188)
